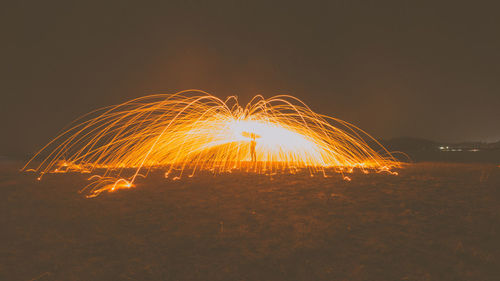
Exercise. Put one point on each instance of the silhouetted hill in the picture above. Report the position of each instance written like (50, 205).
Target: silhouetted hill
(408, 143)
(493, 146)
(420, 150)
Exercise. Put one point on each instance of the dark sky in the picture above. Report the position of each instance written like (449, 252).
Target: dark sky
(399, 69)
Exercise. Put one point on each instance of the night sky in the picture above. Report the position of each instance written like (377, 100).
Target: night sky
(398, 69)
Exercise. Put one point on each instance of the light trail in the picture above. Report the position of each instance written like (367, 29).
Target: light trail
(193, 130)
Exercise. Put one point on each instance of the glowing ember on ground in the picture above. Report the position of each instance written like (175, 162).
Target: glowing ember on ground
(193, 130)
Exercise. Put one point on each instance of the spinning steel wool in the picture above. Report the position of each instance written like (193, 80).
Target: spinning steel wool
(193, 130)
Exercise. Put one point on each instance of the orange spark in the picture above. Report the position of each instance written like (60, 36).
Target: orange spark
(193, 130)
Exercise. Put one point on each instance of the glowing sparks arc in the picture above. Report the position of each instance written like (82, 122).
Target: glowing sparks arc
(193, 130)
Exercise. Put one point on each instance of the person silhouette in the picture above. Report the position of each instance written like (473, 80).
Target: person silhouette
(253, 143)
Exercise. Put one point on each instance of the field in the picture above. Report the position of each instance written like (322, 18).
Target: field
(434, 221)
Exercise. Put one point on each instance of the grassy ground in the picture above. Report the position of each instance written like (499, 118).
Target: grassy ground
(432, 222)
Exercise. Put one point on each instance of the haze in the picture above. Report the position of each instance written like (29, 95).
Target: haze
(398, 69)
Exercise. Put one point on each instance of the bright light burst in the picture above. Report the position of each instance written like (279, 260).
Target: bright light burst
(193, 130)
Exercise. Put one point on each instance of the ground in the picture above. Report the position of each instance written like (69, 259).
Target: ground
(433, 221)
